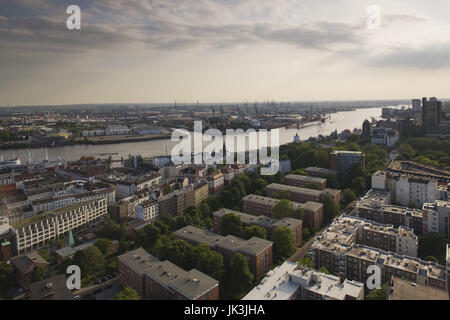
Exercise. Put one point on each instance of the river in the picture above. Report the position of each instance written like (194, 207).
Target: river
(338, 121)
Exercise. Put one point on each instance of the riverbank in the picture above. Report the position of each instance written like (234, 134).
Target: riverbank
(87, 141)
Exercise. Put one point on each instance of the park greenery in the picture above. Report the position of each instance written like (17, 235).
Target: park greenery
(432, 247)
(127, 293)
(428, 151)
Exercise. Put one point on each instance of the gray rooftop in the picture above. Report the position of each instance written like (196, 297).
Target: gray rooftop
(255, 245)
(307, 179)
(138, 260)
(190, 233)
(193, 284)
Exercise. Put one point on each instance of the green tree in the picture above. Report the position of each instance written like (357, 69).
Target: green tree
(254, 231)
(314, 186)
(167, 188)
(332, 181)
(104, 245)
(377, 294)
(127, 293)
(285, 208)
(307, 262)
(205, 210)
(60, 243)
(89, 260)
(39, 273)
(241, 277)
(330, 209)
(7, 279)
(178, 252)
(231, 224)
(348, 196)
(147, 236)
(359, 185)
(283, 242)
(431, 258)
(324, 270)
(433, 244)
(211, 263)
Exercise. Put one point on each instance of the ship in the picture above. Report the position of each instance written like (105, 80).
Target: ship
(10, 163)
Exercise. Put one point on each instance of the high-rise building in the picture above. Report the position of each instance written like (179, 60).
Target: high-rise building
(366, 130)
(431, 115)
(417, 105)
(343, 161)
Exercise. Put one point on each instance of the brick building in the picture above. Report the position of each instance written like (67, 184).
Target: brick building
(263, 221)
(162, 280)
(305, 181)
(259, 205)
(259, 252)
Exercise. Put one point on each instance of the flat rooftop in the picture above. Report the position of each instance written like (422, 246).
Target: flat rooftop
(307, 179)
(197, 235)
(406, 290)
(138, 260)
(274, 286)
(193, 284)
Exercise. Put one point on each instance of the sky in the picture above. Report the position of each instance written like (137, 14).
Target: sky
(161, 51)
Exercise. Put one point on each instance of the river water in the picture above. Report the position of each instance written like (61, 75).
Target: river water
(338, 121)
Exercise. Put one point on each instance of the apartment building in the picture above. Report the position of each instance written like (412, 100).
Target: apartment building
(33, 233)
(374, 206)
(320, 172)
(436, 217)
(290, 281)
(148, 211)
(162, 280)
(262, 221)
(420, 170)
(259, 205)
(337, 250)
(303, 195)
(177, 202)
(216, 183)
(228, 175)
(343, 161)
(201, 192)
(129, 186)
(305, 181)
(259, 252)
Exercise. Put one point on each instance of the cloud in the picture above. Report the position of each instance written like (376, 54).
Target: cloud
(431, 56)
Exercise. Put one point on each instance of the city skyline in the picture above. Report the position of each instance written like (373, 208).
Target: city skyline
(221, 51)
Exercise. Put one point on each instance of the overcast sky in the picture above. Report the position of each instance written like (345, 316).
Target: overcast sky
(222, 51)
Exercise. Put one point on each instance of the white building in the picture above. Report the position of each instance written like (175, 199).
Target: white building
(37, 231)
(125, 188)
(415, 191)
(436, 217)
(147, 211)
(161, 161)
(115, 130)
(290, 281)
